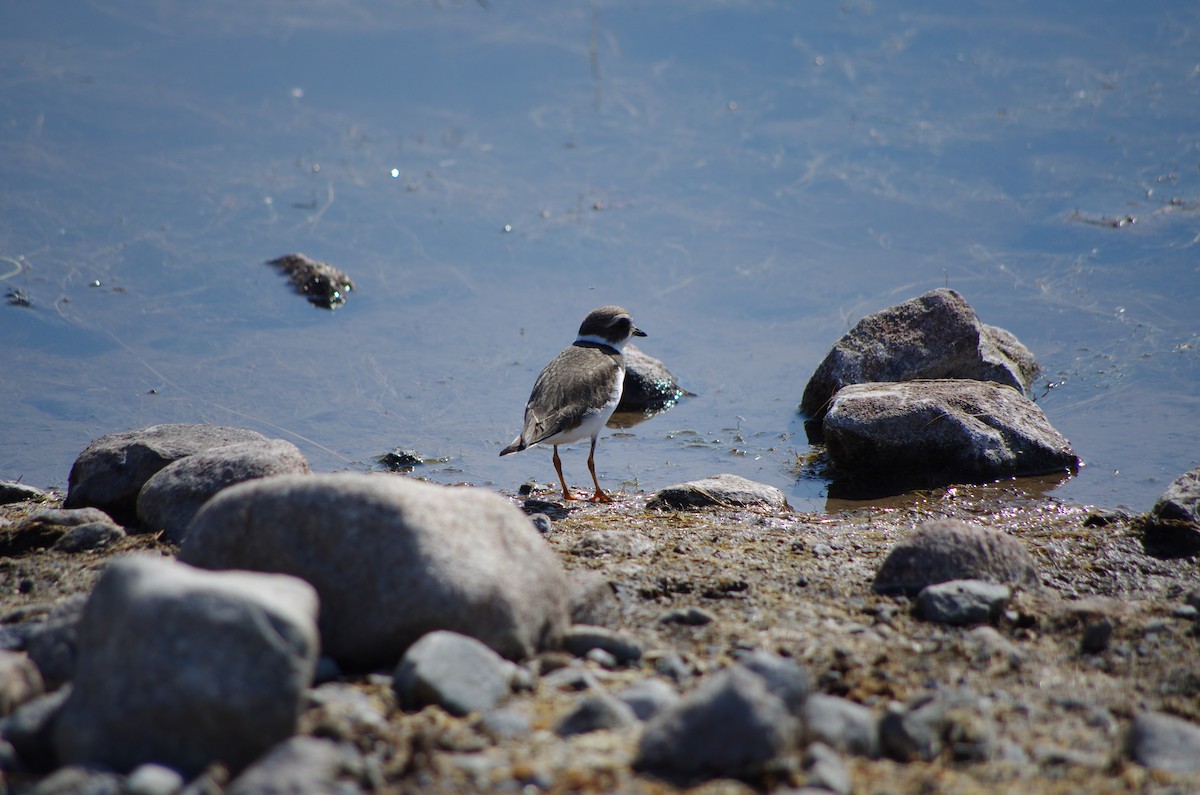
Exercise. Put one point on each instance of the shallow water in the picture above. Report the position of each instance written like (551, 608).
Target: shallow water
(748, 179)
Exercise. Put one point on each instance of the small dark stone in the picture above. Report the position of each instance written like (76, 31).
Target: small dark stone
(1096, 636)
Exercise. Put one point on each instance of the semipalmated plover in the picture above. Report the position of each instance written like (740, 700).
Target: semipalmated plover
(577, 392)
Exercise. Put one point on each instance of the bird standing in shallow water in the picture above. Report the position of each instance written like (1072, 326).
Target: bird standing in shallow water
(578, 391)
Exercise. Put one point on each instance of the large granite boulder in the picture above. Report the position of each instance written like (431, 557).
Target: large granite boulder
(392, 559)
(946, 431)
(936, 335)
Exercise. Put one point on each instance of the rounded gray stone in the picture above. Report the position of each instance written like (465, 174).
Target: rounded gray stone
(962, 602)
(457, 673)
(731, 725)
(172, 496)
(111, 470)
(392, 559)
(721, 491)
(940, 550)
(1164, 742)
(186, 667)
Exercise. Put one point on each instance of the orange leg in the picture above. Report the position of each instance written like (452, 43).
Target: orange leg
(599, 496)
(567, 495)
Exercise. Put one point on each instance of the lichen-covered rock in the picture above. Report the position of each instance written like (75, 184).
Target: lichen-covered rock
(936, 335)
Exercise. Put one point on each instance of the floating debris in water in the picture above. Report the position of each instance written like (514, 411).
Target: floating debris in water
(321, 283)
(1118, 222)
(402, 460)
(18, 297)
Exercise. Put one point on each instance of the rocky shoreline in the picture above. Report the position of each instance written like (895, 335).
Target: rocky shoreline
(725, 649)
(202, 614)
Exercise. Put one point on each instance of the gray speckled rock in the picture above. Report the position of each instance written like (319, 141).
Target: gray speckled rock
(649, 697)
(457, 673)
(1181, 501)
(947, 431)
(936, 335)
(30, 730)
(303, 765)
(392, 559)
(172, 496)
(843, 725)
(941, 550)
(89, 537)
(185, 667)
(581, 639)
(731, 725)
(1174, 521)
(724, 491)
(957, 720)
(962, 602)
(111, 470)
(1164, 742)
(596, 712)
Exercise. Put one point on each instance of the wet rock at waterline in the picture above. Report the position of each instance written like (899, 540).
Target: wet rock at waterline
(1173, 525)
(941, 550)
(723, 491)
(935, 432)
(321, 283)
(186, 667)
(393, 559)
(649, 385)
(110, 471)
(11, 491)
(170, 499)
(934, 336)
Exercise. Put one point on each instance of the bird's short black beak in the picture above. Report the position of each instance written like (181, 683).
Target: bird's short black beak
(637, 332)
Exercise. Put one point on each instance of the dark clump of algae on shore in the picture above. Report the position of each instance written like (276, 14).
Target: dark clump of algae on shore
(800, 584)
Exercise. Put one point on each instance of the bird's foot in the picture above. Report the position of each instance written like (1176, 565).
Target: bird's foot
(600, 496)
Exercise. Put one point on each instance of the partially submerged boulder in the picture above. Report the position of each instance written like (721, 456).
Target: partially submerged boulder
(937, 335)
(944, 431)
(1173, 524)
(649, 385)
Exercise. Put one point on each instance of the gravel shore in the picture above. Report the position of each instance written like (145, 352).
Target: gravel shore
(1056, 678)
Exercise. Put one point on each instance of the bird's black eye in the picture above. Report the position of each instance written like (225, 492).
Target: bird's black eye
(622, 324)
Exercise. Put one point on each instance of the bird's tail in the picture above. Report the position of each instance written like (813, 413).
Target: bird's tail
(517, 446)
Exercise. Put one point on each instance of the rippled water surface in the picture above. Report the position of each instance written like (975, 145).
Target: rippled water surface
(749, 179)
